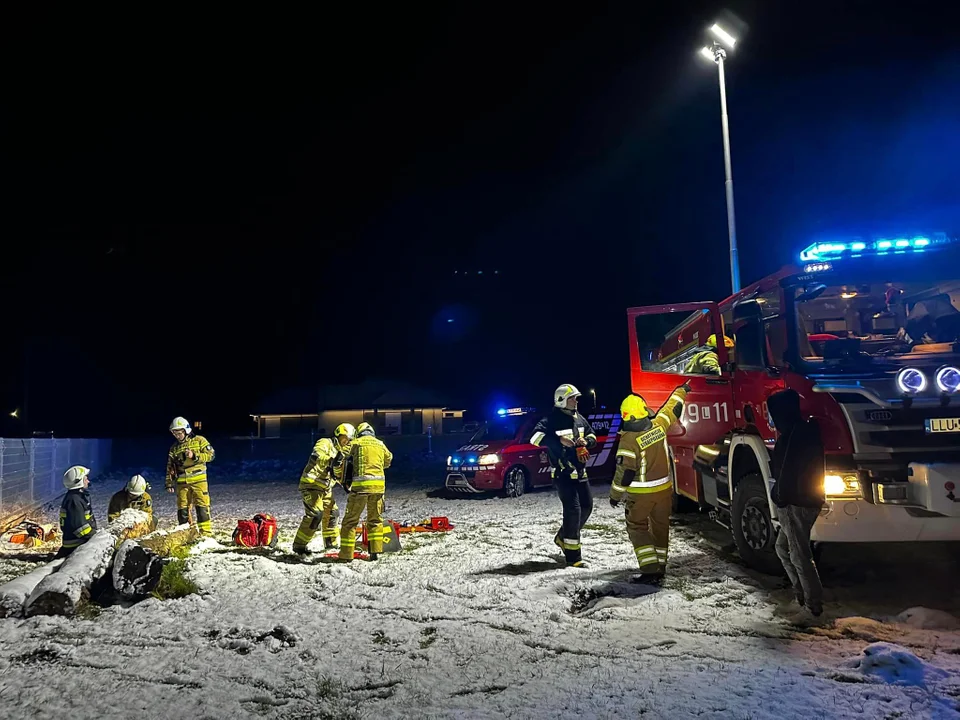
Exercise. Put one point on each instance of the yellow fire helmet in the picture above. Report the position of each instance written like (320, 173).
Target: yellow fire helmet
(345, 429)
(365, 427)
(634, 407)
(727, 342)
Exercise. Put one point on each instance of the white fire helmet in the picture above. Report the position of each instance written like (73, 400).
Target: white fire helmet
(74, 477)
(564, 393)
(180, 423)
(137, 485)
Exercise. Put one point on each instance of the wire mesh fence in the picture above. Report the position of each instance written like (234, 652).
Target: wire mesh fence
(31, 469)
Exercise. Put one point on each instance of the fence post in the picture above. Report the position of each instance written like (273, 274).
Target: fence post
(33, 459)
(53, 467)
(2, 453)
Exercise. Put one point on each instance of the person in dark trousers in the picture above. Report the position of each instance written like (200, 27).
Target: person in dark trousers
(568, 437)
(77, 523)
(797, 466)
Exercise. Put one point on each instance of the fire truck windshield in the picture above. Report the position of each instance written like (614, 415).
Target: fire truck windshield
(501, 430)
(876, 319)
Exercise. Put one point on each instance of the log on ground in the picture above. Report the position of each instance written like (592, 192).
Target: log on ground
(62, 592)
(138, 563)
(14, 594)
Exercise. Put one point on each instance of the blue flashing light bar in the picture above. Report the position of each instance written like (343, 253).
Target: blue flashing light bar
(820, 253)
(505, 412)
(501, 412)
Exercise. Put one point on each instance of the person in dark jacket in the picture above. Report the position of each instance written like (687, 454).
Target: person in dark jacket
(77, 523)
(797, 466)
(568, 437)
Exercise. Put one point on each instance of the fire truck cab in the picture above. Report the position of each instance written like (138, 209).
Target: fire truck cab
(500, 458)
(867, 331)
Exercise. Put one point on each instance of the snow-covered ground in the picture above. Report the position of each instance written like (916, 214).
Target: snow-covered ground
(480, 622)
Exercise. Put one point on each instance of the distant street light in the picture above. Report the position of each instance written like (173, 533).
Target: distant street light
(15, 413)
(594, 393)
(716, 53)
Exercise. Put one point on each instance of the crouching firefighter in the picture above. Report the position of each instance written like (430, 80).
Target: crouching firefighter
(187, 474)
(369, 458)
(134, 495)
(643, 477)
(324, 470)
(77, 523)
(568, 437)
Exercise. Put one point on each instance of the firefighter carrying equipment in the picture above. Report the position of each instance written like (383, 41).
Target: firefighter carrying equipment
(77, 523)
(180, 423)
(73, 478)
(643, 476)
(187, 472)
(123, 499)
(564, 393)
(568, 469)
(369, 459)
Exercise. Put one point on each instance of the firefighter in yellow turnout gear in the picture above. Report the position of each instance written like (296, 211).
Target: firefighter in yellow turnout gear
(324, 469)
(707, 362)
(370, 458)
(134, 495)
(187, 474)
(643, 477)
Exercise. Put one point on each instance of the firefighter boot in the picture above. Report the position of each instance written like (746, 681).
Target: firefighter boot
(651, 578)
(374, 556)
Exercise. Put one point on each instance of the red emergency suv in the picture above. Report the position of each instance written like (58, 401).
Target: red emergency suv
(500, 458)
(867, 331)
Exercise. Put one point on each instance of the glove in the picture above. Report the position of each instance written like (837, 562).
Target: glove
(583, 454)
(685, 387)
(614, 503)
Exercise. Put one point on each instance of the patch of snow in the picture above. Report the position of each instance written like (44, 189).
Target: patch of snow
(205, 545)
(484, 621)
(928, 619)
(896, 665)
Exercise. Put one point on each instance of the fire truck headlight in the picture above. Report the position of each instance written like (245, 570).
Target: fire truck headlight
(449, 459)
(911, 381)
(948, 379)
(841, 486)
(490, 459)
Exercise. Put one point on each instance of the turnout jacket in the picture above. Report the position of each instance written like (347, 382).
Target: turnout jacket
(559, 424)
(77, 522)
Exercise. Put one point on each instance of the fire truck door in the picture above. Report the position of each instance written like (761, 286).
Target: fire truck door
(656, 370)
(755, 378)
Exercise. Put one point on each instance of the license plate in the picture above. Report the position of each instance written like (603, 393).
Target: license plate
(943, 425)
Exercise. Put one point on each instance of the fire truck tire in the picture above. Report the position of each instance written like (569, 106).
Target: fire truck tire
(515, 482)
(752, 527)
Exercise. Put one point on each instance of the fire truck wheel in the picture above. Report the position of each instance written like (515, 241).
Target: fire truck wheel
(515, 482)
(753, 530)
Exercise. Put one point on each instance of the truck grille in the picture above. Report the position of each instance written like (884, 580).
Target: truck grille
(882, 433)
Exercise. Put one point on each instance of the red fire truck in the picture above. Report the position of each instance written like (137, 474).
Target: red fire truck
(500, 458)
(867, 331)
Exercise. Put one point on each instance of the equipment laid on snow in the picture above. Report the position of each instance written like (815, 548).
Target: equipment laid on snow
(259, 532)
(391, 537)
(434, 524)
(29, 533)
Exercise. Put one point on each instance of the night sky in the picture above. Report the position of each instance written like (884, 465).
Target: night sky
(199, 212)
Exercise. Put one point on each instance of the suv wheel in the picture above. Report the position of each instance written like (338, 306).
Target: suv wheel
(515, 481)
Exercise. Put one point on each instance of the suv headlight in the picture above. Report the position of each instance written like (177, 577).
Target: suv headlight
(489, 459)
(948, 379)
(846, 485)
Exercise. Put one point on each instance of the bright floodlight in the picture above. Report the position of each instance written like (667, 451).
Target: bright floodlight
(707, 53)
(723, 36)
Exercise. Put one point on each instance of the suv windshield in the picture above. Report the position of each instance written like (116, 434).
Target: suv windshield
(877, 319)
(504, 429)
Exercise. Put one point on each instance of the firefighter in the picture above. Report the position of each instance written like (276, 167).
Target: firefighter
(568, 437)
(187, 474)
(77, 523)
(643, 477)
(324, 470)
(706, 361)
(134, 495)
(365, 488)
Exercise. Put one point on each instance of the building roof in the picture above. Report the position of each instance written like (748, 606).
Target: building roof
(290, 401)
(368, 395)
(373, 394)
